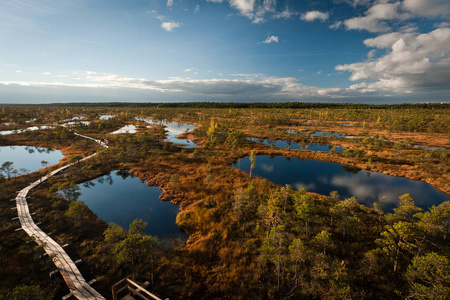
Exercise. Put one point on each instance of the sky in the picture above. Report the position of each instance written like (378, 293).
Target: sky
(362, 51)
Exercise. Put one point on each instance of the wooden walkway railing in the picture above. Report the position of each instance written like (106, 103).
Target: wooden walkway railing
(132, 289)
(69, 271)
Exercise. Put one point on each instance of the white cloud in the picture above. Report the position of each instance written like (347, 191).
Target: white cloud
(285, 14)
(249, 87)
(375, 18)
(336, 25)
(195, 71)
(271, 39)
(257, 10)
(371, 53)
(413, 62)
(244, 6)
(314, 15)
(442, 25)
(170, 25)
(169, 3)
(386, 88)
(197, 8)
(428, 8)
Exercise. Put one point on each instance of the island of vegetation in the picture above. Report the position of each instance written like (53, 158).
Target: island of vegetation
(244, 236)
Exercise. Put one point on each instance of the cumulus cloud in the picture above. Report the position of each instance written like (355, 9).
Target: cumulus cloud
(314, 15)
(413, 61)
(428, 8)
(376, 16)
(258, 10)
(197, 8)
(271, 39)
(382, 14)
(244, 6)
(248, 85)
(169, 3)
(243, 87)
(170, 25)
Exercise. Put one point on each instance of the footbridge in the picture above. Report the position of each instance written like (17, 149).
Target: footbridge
(77, 285)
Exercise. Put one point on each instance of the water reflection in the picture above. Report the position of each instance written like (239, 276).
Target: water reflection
(297, 146)
(29, 158)
(316, 133)
(33, 128)
(174, 129)
(324, 177)
(126, 129)
(106, 117)
(121, 198)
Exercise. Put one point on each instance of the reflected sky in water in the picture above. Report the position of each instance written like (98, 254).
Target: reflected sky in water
(174, 129)
(297, 146)
(105, 117)
(324, 177)
(316, 133)
(120, 198)
(126, 129)
(29, 157)
(32, 128)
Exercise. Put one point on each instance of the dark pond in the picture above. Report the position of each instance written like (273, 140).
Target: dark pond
(297, 146)
(29, 158)
(174, 129)
(316, 133)
(121, 198)
(324, 177)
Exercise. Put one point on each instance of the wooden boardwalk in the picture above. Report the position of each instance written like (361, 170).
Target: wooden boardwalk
(69, 271)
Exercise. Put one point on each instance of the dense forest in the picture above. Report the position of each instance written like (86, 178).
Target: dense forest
(246, 237)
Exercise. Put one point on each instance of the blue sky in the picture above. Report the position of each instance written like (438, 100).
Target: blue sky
(224, 50)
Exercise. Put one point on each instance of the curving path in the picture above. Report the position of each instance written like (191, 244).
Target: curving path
(69, 271)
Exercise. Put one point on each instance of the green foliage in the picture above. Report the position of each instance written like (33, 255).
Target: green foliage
(252, 159)
(114, 233)
(7, 168)
(70, 190)
(406, 208)
(78, 212)
(429, 277)
(137, 227)
(24, 292)
(135, 248)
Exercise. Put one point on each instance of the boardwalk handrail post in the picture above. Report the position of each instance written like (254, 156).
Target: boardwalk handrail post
(141, 289)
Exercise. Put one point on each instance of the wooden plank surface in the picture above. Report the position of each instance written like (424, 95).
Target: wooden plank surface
(72, 276)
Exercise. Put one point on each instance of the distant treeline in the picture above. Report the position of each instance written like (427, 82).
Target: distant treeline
(292, 105)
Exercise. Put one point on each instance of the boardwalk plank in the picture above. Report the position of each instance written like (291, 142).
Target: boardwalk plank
(69, 271)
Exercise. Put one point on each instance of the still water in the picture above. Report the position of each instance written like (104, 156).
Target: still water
(324, 177)
(105, 117)
(297, 146)
(126, 129)
(33, 128)
(316, 133)
(121, 198)
(174, 129)
(29, 158)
